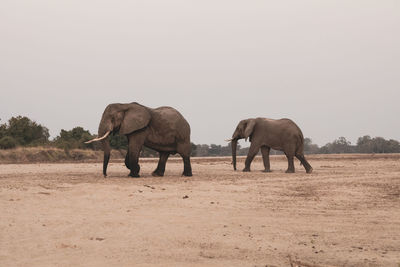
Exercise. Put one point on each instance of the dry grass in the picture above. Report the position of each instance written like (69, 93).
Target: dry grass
(51, 154)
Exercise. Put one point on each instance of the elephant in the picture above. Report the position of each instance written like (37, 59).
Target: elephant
(162, 129)
(264, 133)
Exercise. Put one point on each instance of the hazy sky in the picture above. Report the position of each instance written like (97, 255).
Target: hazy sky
(331, 66)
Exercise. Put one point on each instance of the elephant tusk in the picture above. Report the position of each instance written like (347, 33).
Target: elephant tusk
(228, 140)
(98, 139)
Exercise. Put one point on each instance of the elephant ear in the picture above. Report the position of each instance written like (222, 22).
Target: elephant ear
(135, 118)
(249, 128)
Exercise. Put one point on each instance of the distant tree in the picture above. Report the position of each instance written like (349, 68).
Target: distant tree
(366, 144)
(74, 138)
(227, 150)
(393, 146)
(214, 150)
(3, 130)
(202, 150)
(340, 145)
(242, 151)
(309, 147)
(325, 149)
(25, 131)
(194, 149)
(245, 150)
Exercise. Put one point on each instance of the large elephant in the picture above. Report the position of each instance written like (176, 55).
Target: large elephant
(283, 135)
(163, 129)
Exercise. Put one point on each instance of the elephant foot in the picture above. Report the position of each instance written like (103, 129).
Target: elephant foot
(246, 170)
(157, 173)
(188, 174)
(134, 175)
(289, 171)
(266, 171)
(309, 170)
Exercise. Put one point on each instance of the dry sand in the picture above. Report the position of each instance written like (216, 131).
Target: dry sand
(346, 213)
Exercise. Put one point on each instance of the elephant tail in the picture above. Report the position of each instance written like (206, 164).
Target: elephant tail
(300, 141)
(300, 144)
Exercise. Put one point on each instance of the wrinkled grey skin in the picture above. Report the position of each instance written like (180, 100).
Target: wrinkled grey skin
(283, 135)
(163, 129)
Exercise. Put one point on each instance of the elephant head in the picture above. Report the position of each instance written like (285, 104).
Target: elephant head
(243, 130)
(122, 118)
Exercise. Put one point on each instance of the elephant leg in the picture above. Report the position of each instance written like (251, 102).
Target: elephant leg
(135, 144)
(187, 167)
(184, 150)
(159, 171)
(127, 160)
(304, 162)
(265, 154)
(133, 160)
(250, 156)
(290, 158)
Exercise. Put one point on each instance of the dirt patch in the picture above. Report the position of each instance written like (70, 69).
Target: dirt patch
(346, 213)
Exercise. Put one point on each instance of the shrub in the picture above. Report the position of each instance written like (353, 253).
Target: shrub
(7, 142)
(74, 138)
(118, 141)
(26, 132)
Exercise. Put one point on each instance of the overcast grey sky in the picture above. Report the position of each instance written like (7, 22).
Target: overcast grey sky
(331, 66)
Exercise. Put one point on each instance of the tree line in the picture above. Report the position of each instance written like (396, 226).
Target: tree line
(22, 132)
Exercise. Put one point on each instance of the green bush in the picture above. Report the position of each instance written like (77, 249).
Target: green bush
(118, 141)
(74, 138)
(7, 142)
(26, 132)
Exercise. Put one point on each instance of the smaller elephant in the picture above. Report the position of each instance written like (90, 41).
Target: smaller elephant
(283, 135)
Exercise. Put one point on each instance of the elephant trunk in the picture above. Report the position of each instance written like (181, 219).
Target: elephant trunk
(234, 147)
(105, 129)
(107, 150)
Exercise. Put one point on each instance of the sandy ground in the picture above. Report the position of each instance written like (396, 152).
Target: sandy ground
(346, 213)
